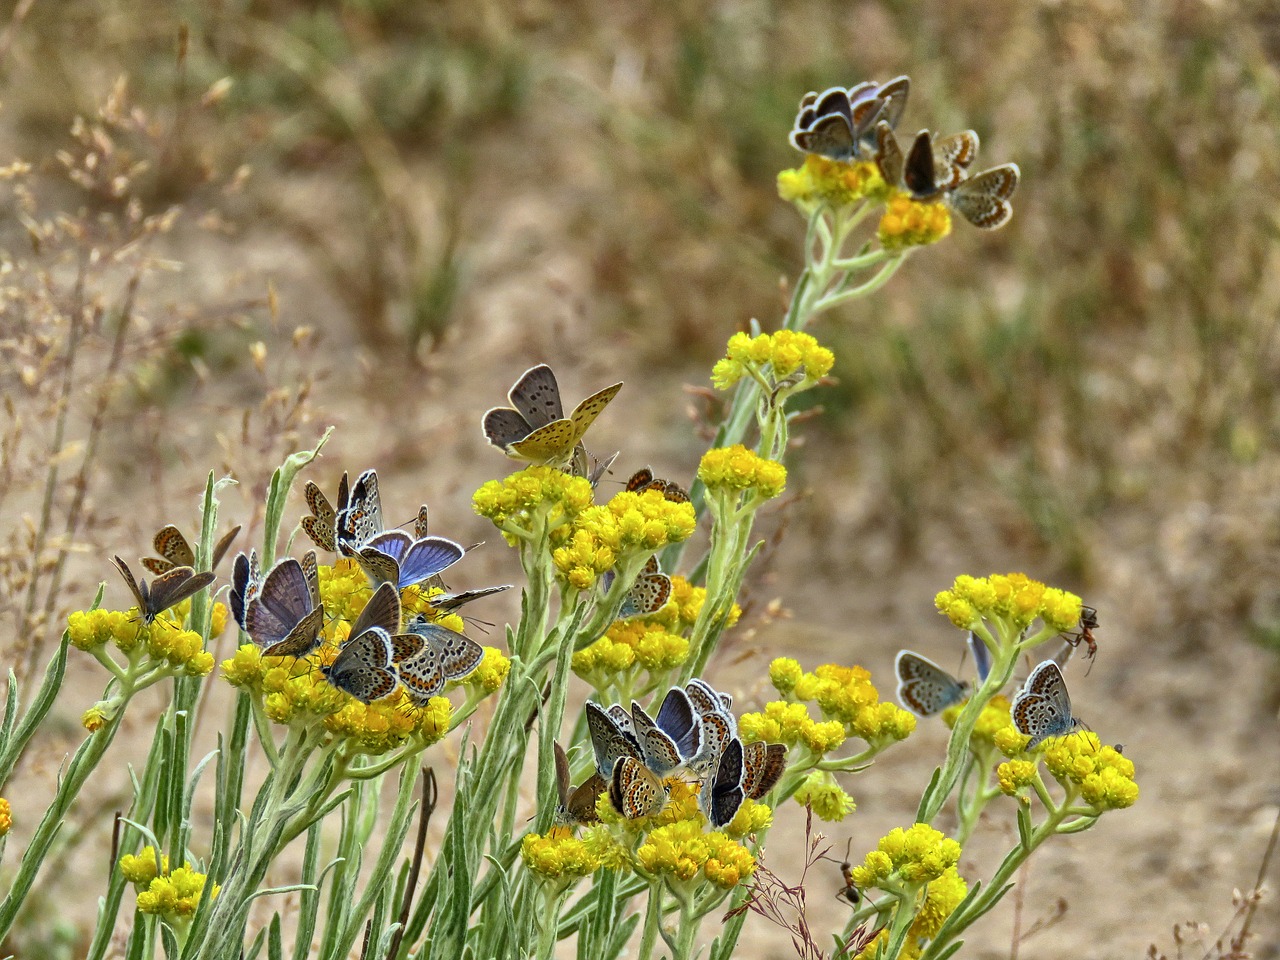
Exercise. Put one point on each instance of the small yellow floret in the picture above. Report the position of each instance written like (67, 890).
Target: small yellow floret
(785, 673)
(1015, 775)
(142, 868)
(6, 817)
(492, 672)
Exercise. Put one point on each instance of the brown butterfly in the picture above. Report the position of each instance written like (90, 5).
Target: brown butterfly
(170, 588)
(321, 525)
(577, 804)
(175, 550)
(643, 479)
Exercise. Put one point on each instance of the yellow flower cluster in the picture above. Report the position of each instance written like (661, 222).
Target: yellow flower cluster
(736, 468)
(785, 353)
(1015, 775)
(164, 638)
(176, 895)
(1013, 597)
(820, 180)
(994, 718)
(908, 222)
(144, 867)
(1104, 775)
(823, 795)
(942, 896)
(6, 817)
(681, 612)
(626, 646)
(680, 851)
(296, 691)
(530, 498)
(629, 525)
(790, 723)
(915, 856)
(491, 673)
(846, 695)
(173, 894)
(558, 856)
(345, 589)
(752, 817)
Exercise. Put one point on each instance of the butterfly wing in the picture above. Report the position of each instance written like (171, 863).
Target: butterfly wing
(918, 174)
(894, 93)
(361, 520)
(721, 794)
(426, 558)
(459, 654)
(634, 790)
(762, 767)
(536, 397)
(888, 154)
(608, 741)
(282, 603)
(448, 602)
(647, 595)
(361, 668)
(174, 586)
(679, 721)
(381, 612)
(983, 200)
(657, 748)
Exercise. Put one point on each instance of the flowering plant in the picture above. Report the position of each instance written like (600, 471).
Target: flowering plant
(350, 671)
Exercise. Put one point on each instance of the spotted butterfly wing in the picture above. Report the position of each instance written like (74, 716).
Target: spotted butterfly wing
(721, 794)
(363, 666)
(925, 688)
(763, 765)
(635, 791)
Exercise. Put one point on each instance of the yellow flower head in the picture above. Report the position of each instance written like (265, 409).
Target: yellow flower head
(558, 856)
(6, 817)
(785, 673)
(908, 222)
(917, 855)
(752, 817)
(532, 498)
(143, 867)
(1014, 599)
(737, 469)
(96, 717)
(941, 899)
(773, 357)
(820, 180)
(492, 672)
(181, 649)
(1105, 776)
(91, 629)
(1015, 776)
(828, 801)
(175, 895)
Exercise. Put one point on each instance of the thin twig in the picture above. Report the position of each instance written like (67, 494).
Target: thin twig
(430, 798)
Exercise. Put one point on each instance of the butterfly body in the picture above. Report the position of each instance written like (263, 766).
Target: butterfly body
(170, 588)
(442, 655)
(284, 615)
(722, 793)
(576, 805)
(321, 524)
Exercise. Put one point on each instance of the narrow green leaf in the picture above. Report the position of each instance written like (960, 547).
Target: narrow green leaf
(275, 942)
(37, 711)
(309, 902)
(1024, 827)
(926, 799)
(278, 494)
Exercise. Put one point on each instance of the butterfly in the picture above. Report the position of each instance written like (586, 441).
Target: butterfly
(284, 615)
(721, 793)
(390, 556)
(762, 767)
(591, 468)
(577, 805)
(363, 667)
(718, 724)
(449, 602)
(432, 655)
(612, 736)
(647, 595)
(534, 428)
(246, 581)
(925, 688)
(930, 167)
(673, 737)
(171, 587)
(840, 123)
(321, 525)
(983, 199)
(635, 790)
(175, 551)
(1042, 708)
(644, 479)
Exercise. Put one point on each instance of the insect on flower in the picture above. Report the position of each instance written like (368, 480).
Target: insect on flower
(171, 587)
(840, 123)
(534, 428)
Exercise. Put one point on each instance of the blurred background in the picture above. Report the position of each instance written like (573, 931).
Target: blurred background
(232, 224)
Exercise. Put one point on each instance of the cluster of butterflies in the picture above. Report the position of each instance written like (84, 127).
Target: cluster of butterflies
(282, 613)
(858, 123)
(1040, 709)
(694, 734)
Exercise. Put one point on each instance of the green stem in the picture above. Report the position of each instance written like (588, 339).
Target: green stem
(652, 922)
